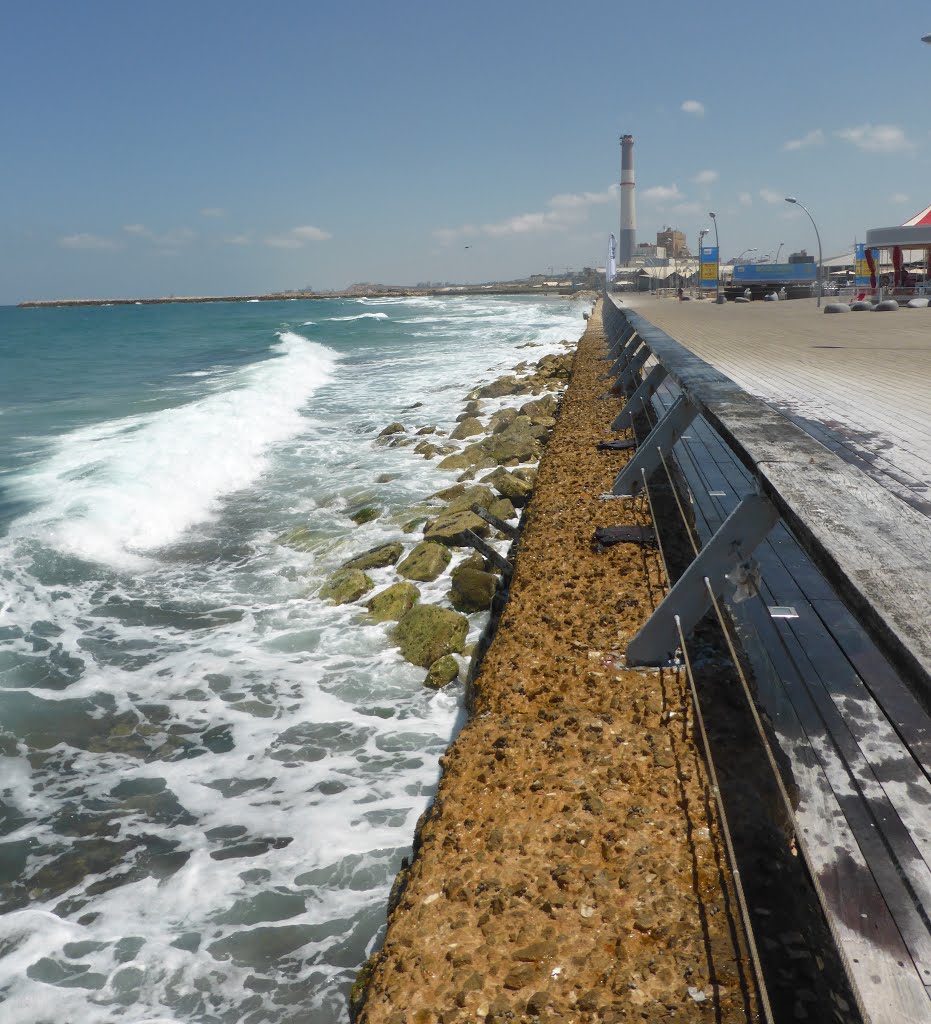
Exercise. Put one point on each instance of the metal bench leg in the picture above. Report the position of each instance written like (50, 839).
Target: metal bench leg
(660, 439)
(689, 601)
(633, 368)
(640, 397)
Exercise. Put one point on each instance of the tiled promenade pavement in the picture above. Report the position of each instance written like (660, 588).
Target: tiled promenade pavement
(859, 382)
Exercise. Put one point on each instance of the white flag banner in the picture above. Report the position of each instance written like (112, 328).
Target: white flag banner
(612, 257)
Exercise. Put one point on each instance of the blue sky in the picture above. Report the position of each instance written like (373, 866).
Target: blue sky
(218, 148)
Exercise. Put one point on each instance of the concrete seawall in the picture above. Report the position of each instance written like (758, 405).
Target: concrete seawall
(570, 867)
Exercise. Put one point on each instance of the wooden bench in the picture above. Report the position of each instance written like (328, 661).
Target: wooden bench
(835, 680)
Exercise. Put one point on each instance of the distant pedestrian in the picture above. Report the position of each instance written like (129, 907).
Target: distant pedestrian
(680, 293)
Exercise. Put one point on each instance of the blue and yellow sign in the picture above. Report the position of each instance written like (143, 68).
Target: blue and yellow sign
(862, 268)
(709, 266)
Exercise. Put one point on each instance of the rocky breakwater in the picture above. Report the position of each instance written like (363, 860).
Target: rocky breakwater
(493, 450)
(570, 867)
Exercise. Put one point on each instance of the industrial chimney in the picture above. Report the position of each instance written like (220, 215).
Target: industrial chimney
(627, 241)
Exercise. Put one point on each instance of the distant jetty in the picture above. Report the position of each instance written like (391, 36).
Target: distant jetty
(352, 293)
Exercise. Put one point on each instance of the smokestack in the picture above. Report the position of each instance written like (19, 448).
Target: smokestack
(627, 242)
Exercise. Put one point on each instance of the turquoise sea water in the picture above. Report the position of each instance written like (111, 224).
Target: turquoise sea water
(209, 776)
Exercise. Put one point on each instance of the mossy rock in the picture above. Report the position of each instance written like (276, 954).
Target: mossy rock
(528, 473)
(538, 407)
(510, 486)
(365, 514)
(502, 508)
(301, 538)
(473, 456)
(468, 427)
(427, 633)
(507, 385)
(345, 586)
(392, 428)
(452, 528)
(442, 672)
(501, 419)
(427, 561)
(474, 561)
(473, 590)
(393, 603)
(427, 450)
(478, 494)
(413, 525)
(377, 557)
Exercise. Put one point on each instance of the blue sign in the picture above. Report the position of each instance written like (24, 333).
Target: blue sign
(801, 273)
(709, 266)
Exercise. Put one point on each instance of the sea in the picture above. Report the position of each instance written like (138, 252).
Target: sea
(208, 775)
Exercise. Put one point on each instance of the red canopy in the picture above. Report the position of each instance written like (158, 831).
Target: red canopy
(920, 218)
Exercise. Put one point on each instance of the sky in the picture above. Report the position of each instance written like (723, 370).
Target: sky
(230, 147)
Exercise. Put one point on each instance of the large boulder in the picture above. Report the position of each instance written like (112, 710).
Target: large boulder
(468, 427)
(478, 494)
(388, 433)
(427, 561)
(364, 514)
(427, 633)
(539, 407)
(393, 603)
(510, 486)
(301, 538)
(473, 590)
(450, 528)
(345, 586)
(501, 419)
(515, 444)
(376, 558)
(507, 385)
(442, 672)
(473, 456)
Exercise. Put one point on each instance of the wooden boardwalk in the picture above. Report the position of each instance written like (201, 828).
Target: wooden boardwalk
(856, 739)
(858, 382)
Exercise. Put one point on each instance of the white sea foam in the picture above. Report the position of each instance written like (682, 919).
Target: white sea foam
(361, 316)
(115, 491)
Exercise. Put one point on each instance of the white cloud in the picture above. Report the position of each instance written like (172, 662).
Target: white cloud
(898, 197)
(662, 194)
(564, 211)
(744, 199)
(693, 107)
(769, 196)
(692, 209)
(706, 177)
(876, 138)
(85, 240)
(813, 138)
(213, 211)
(296, 238)
(237, 240)
(170, 239)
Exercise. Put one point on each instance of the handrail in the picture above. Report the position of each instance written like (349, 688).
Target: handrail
(871, 547)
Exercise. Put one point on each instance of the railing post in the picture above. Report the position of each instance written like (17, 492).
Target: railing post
(659, 441)
(739, 535)
(640, 397)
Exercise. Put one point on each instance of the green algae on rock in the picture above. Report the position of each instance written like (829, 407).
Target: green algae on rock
(376, 558)
(473, 590)
(426, 562)
(345, 586)
(393, 603)
(442, 672)
(427, 633)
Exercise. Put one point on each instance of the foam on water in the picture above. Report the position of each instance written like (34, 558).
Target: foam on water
(210, 776)
(360, 316)
(115, 490)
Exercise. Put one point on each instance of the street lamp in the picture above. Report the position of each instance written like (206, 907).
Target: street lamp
(717, 242)
(794, 201)
(927, 38)
(744, 253)
(779, 250)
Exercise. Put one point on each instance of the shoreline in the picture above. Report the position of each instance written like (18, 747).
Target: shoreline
(466, 291)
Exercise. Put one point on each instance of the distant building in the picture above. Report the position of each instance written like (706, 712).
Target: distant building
(673, 242)
(648, 250)
(801, 257)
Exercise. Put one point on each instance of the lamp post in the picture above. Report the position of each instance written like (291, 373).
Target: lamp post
(795, 202)
(744, 253)
(779, 250)
(717, 243)
(927, 38)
